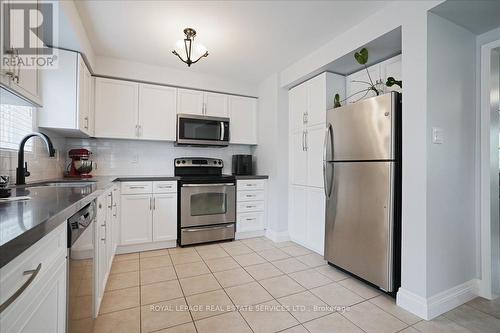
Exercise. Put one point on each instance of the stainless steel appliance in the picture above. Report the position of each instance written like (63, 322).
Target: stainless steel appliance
(197, 130)
(206, 201)
(81, 268)
(362, 171)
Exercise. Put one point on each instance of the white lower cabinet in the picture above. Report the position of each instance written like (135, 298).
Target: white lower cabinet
(136, 219)
(307, 217)
(250, 208)
(164, 217)
(148, 214)
(41, 307)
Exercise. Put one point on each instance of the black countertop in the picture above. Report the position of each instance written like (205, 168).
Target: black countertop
(23, 223)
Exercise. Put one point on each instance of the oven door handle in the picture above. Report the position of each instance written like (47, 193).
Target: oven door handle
(205, 228)
(207, 185)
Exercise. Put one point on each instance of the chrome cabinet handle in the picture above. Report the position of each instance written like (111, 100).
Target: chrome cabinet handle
(150, 203)
(11, 299)
(251, 219)
(250, 195)
(154, 203)
(136, 187)
(86, 122)
(105, 232)
(251, 185)
(250, 206)
(306, 143)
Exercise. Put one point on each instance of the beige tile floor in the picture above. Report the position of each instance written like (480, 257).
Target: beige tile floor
(256, 285)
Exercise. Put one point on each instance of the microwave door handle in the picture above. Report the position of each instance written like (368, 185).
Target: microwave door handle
(221, 131)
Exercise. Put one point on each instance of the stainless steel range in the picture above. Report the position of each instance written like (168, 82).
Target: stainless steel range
(206, 201)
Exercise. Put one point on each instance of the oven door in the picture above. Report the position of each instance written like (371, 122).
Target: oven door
(202, 130)
(207, 204)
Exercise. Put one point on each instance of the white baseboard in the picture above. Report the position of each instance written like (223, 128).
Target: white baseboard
(429, 308)
(249, 234)
(277, 236)
(122, 249)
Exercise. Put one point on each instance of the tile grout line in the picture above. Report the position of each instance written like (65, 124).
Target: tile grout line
(224, 290)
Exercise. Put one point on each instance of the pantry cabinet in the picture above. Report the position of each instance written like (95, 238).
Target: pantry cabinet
(148, 214)
(308, 103)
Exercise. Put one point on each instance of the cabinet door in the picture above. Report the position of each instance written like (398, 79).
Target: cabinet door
(165, 217)
(392, 67)
(355, 83)
(297, 106)
(316, 109)
(83, 97)
(315, 219)
(157, 112)
(298, 159)
(136, 222)
(189, 101)
(298, 214)
(243, 123)
(116, 106)
(314, 146)
(216, 105)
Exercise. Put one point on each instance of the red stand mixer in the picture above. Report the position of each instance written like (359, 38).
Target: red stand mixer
(81, 165)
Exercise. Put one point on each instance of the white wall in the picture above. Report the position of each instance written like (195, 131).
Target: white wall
(170, 76)
(450, 166)
(133, 157)
(272, 152)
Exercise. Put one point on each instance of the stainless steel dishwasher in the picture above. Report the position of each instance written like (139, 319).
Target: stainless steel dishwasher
(81, 268)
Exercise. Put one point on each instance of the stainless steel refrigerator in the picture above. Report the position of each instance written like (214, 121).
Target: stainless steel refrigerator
(362, 175)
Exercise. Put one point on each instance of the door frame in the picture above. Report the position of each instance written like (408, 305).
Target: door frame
(489, 211)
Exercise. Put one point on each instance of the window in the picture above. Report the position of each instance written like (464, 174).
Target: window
(16, 120)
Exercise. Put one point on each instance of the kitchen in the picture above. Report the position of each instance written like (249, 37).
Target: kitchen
(184, 191)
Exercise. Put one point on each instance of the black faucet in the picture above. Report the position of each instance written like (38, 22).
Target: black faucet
(22, 167)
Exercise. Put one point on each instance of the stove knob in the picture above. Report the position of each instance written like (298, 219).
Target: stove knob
(178, 162)
(220, 162)
(215, 162)
(183, 161)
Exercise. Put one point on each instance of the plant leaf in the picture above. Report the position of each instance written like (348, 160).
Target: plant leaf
(361, 56)
(336, 101)
(392, 81)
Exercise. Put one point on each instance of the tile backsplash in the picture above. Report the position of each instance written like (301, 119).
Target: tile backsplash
(131, 157)
(40, 165)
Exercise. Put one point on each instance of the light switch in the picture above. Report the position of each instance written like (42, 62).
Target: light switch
(437, 135)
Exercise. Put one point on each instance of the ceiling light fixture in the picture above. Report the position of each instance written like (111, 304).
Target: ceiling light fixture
(187, 50)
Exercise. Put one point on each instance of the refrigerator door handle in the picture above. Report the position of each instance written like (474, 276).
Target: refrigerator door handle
(328, 182)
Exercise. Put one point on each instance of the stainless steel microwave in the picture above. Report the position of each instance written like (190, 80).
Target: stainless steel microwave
(198, 130)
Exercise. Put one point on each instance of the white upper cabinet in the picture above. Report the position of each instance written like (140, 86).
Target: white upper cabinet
(22, 79)
(68, 96)
(190, 101)
(243, 120)
(215, 104)
(116, 108)
(157, 112)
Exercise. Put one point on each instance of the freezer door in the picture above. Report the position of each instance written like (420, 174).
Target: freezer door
(359, 221)
(364, 130)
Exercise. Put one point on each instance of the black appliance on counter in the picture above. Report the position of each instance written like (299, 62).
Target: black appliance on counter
(206, 201)
(242, 165)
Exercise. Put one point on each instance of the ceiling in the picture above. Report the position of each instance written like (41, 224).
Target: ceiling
(477, 16)
(247, 40)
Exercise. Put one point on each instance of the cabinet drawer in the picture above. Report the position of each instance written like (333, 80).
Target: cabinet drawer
(250, 222)
(137, 187)
(251, 196)
(164, 187)
(250, 206)
(45, 254)
(249, 184)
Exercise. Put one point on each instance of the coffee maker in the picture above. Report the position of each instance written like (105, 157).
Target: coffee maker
(81, 165)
